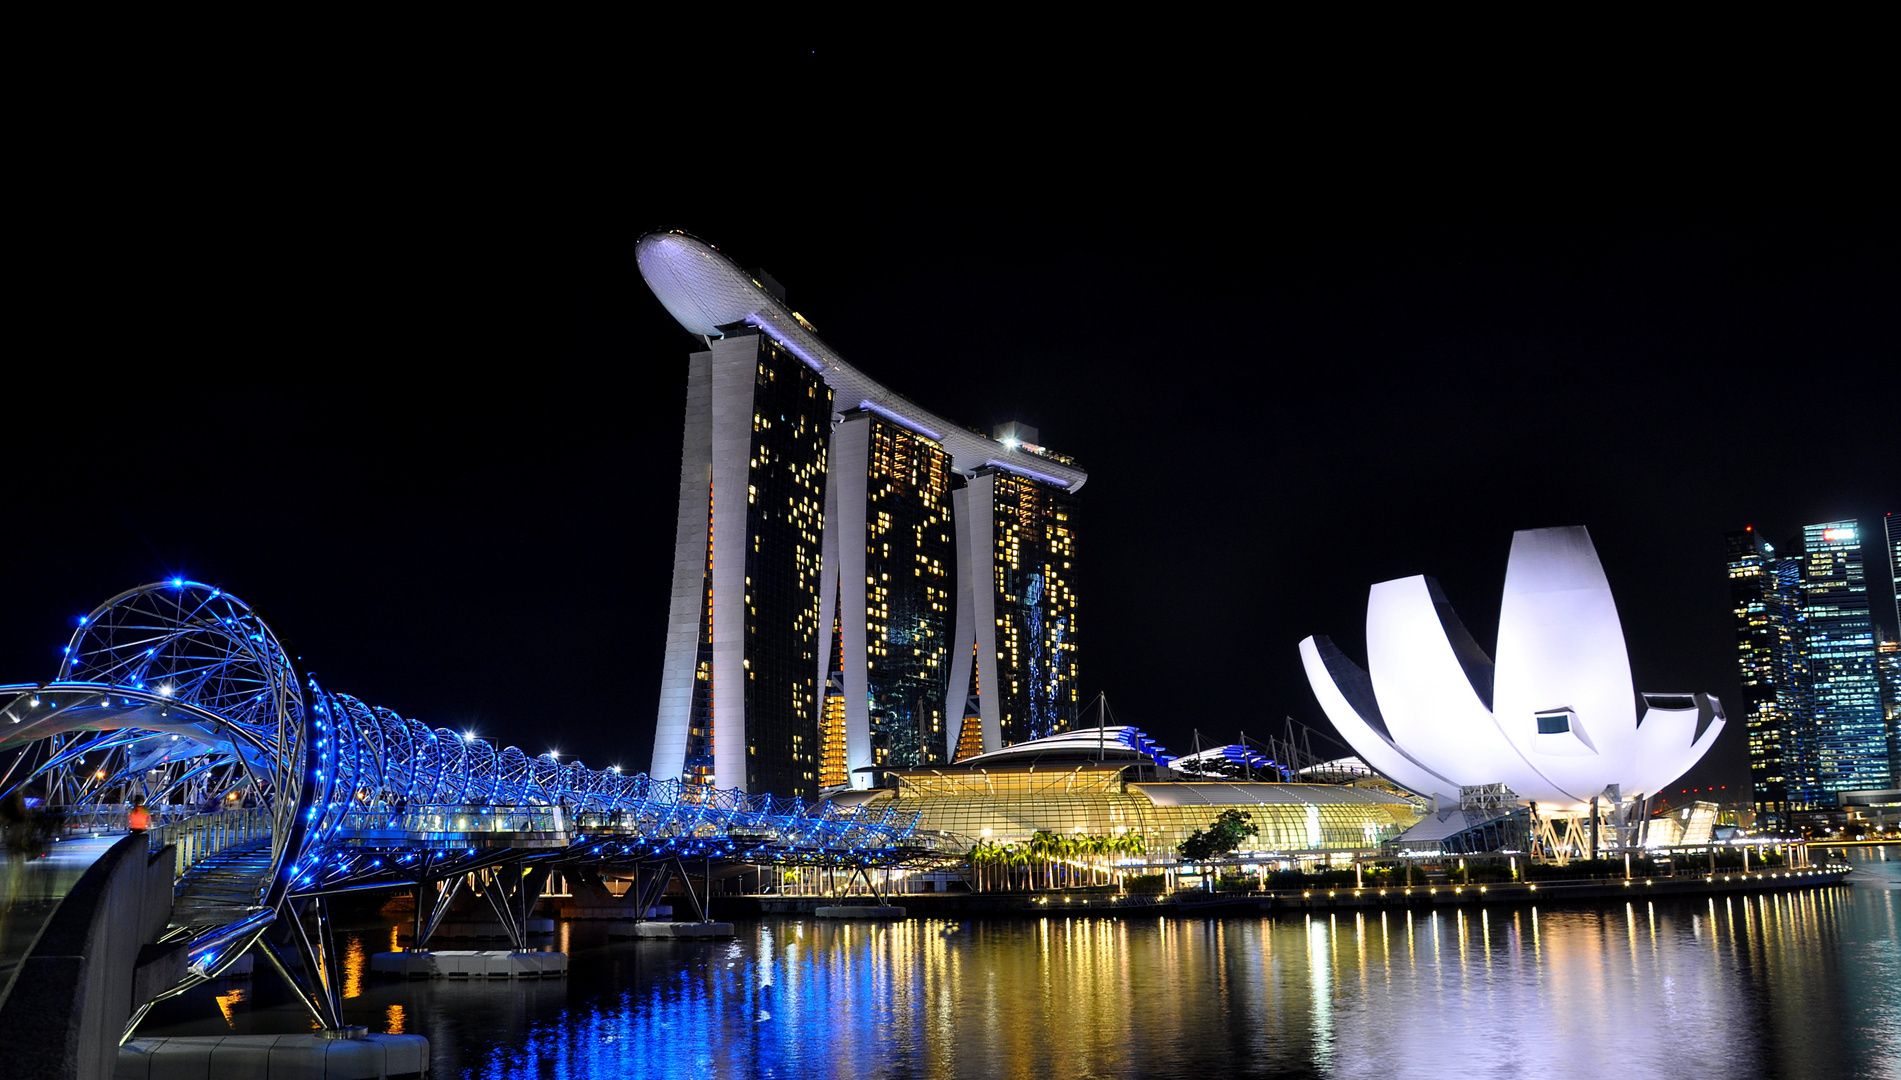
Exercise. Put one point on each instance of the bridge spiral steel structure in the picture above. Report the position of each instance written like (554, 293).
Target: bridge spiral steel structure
(179, 693)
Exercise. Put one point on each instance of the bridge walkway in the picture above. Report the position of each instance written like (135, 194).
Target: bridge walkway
(222, 888)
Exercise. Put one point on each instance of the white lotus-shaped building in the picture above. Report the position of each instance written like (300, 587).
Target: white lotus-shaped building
(1554, 718)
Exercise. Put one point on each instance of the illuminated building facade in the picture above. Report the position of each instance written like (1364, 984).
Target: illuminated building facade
(1018, 602)
(1851, 736)
(800, 477)
(1888, 659)
(1766, 602)
(739, 686)
(1552, 715)
(1113, 783)
(1892, 523)
(831, 759)
(890, 561)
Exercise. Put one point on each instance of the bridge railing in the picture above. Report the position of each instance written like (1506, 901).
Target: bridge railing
(199, 837)
(95, 819)
(460, 819)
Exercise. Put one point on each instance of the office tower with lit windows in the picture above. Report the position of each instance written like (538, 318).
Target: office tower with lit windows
(800, 478)
(1893, 525)
(1017, 602)
(1766, 603)
(889, 566)
(738, 684)
(1851, 737)
(1888, 660)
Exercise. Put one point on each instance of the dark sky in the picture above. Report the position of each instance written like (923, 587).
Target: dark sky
(383, 366)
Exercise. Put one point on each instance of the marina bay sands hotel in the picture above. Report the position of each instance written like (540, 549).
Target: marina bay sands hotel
(858, 583)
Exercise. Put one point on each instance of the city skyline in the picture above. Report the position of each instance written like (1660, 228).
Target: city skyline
(1382, 416)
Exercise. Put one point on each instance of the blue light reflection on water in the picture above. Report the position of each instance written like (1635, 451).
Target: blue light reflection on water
(1783, 984)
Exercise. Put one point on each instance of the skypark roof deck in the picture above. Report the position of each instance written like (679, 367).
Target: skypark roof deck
(709, 295)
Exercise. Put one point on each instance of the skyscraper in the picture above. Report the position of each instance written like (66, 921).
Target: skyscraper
(800, 478)
(1893, 524)
(739, 683)
(1017, 582)
(1888, 659)
(1851, 738)
(889, 562)
(1766, 604)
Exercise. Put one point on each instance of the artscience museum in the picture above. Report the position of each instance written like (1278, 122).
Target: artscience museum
(1551, 714)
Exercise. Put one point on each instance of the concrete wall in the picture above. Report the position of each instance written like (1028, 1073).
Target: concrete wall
(74, 992)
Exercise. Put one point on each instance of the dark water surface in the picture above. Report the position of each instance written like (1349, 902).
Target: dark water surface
(1778, 984)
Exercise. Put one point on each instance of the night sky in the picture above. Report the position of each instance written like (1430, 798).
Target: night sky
(392, 376)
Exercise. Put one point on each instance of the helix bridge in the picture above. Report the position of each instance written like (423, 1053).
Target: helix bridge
(278, 793)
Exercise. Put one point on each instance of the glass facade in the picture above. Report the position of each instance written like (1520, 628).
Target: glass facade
(909, 562)
(699, 735)
(1034, 558)
(1888, 658)
(785, 495)
(1766, 604)
(1893, 525)
(1008, 806)
(1851, 739)
(833, 771)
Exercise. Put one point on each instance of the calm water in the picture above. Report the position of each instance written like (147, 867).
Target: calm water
(1791, 984)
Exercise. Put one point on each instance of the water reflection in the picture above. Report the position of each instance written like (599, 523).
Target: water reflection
(1797, 984)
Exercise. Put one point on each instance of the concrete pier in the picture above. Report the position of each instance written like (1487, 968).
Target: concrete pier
(243, 1057)
(470, 964)
(860, 911)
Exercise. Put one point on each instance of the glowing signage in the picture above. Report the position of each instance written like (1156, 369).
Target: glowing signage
(1838, 534)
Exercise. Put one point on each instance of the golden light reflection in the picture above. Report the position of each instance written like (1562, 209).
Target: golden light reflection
(228, 1001)
(393, 1019)
(356, 963)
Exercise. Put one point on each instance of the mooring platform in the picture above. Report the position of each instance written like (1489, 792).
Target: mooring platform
(241, 1057)
(470, 964)
(860, 911)
(677, 930)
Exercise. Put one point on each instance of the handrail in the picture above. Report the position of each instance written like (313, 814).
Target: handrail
(197, 838)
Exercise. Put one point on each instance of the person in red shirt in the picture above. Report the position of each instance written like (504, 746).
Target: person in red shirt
(139, 820)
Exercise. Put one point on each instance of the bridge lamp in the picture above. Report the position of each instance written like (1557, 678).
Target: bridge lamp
(555, 754)
(165, 690)
(468, 736)
(615, 769)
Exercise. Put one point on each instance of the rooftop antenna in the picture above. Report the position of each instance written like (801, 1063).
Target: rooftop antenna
(1102, 721)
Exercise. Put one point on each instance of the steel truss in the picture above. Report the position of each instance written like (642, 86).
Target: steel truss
(178, 695)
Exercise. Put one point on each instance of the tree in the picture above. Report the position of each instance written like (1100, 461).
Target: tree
(1223, 834)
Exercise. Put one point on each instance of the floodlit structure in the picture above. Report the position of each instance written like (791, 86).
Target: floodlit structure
(858, 582)
(277, 793)
(1114, 782)
(1553, 718)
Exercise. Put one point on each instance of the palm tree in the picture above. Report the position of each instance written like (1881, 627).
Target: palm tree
(1019, 855)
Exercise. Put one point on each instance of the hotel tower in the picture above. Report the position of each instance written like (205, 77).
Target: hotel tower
(858, 584)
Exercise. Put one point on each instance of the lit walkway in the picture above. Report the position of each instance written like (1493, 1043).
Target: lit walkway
(33, 889)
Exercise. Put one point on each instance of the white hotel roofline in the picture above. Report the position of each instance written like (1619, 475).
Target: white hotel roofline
(704, 291)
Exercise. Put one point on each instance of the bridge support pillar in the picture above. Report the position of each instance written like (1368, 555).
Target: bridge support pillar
(513, 890)
(432, 903)
(320, 986)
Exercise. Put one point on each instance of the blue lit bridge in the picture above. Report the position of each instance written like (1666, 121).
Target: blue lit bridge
(278, 793)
